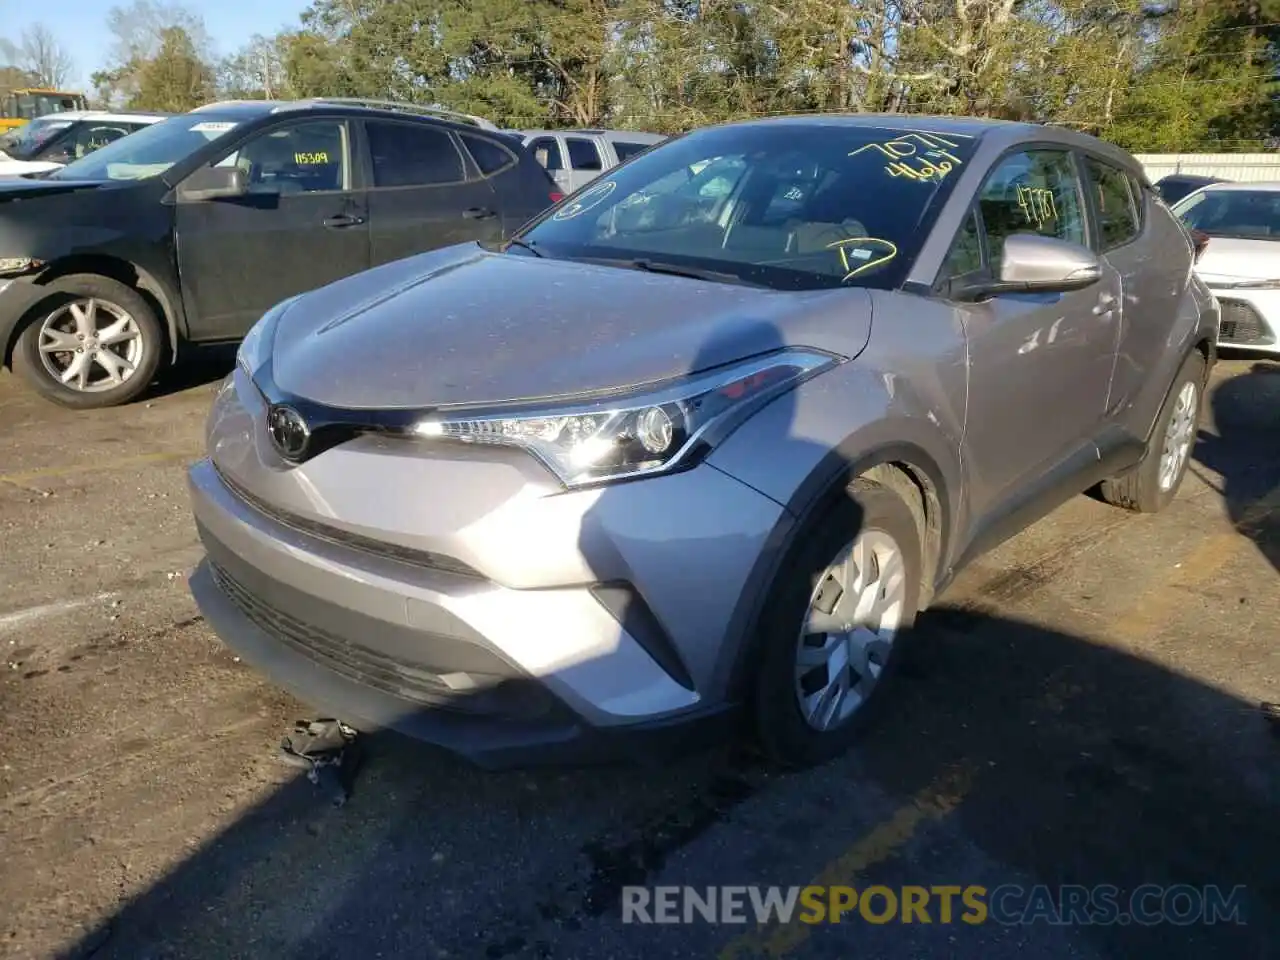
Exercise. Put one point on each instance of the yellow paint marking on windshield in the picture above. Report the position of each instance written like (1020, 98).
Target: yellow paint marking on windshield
(917, 155)
(310, 159)
(864, 258)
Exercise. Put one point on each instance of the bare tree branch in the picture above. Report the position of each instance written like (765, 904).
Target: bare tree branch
(42, 56)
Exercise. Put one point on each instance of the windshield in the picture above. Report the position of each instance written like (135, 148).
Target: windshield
(781, 205)
(1248, 214)
(31, 138)
(149, 152)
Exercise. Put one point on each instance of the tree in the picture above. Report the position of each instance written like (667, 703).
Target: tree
(42, 57)
(176, 79)
(139, 32)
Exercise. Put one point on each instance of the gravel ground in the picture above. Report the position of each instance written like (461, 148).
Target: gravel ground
(1085, 711)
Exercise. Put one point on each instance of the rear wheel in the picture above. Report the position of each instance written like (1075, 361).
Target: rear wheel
(831, 640)
(1153, 483)
(94, 342)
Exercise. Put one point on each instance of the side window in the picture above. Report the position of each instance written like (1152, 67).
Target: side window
(1113, 200)
(412, 155)
(626, 150)
(583, 154)
(966, 250)
(1032, 192)
(310, 157)
(547, 153)
(489, 156)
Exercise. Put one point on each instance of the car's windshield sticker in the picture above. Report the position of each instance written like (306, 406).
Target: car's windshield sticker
(860, 254)
(916, 155)
(589, 200)
(213, 126)
(1037, 205)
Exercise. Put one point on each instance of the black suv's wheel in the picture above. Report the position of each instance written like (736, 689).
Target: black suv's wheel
(94, 342)
(832, 631)
(1153, 483)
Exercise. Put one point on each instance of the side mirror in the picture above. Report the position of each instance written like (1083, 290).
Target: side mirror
(1031, 263)
(214, 183)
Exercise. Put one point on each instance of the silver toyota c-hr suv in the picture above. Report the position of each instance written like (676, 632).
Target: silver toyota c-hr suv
(699, 442)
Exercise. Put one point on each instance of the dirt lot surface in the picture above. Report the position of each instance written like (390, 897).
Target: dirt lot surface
(1087, 713)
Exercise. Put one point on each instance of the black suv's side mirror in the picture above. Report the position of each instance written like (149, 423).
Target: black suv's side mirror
(214, 183)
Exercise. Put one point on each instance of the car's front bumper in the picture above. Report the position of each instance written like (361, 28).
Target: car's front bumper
(1250, 319)
(617, 630)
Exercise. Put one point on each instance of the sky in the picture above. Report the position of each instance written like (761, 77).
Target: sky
(80, 25)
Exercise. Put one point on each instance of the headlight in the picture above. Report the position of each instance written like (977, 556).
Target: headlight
(666, 427)
(256, 345)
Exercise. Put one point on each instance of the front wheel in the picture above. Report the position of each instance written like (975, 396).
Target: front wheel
(94, 342)
(832, 636)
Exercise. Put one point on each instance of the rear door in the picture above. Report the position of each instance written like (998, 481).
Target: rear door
(302, 225)
(422, 194)
(1146, 303)
(521, 190)
(585, 161)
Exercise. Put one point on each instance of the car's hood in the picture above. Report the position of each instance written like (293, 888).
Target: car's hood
(18, 188)
(463, 325)
(20, 168)
(1231, 260)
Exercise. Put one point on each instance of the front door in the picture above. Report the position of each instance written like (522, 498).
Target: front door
(585, 162)
(303, 224)
(1039, 364)
(422, 196)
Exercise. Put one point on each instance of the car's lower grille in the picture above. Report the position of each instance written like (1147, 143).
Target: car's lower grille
(1242, 324)
(342, 538)
(489, 695)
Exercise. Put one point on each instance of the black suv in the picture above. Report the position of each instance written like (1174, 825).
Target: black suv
(187, 231)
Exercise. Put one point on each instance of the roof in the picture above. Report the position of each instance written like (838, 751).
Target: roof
(635, 136)
(145, 117)
(1265, 186)
(258, 108)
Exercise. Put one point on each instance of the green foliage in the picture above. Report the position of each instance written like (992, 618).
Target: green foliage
(1149, 74)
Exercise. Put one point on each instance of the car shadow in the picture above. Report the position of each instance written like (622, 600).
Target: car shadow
(198, 367)
(1243, 448)
(1009, 753)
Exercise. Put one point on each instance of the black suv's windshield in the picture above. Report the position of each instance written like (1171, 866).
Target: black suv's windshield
(149, 152)
(1249, 214)
(785, 206)
(30, 138)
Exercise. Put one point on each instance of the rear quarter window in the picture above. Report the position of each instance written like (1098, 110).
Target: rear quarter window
(490, 156)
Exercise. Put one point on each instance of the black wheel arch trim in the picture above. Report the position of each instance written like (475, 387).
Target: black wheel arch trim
(831, 476)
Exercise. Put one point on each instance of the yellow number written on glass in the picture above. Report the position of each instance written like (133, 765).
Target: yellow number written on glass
(309, 159)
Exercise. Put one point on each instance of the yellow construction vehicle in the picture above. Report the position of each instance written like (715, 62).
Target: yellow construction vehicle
(19, 106)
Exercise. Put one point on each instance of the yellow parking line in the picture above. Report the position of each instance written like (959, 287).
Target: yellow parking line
(883, 842)
(1144, 619)
(47, 473)
(1149, 613)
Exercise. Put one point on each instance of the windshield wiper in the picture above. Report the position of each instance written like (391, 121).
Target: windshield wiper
(673, 269)
(517, 242)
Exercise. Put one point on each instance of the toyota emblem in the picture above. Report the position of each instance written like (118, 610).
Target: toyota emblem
(289, 432)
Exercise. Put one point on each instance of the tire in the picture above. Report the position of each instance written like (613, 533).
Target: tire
(1141, 489)
(107, 303)
(782, 730)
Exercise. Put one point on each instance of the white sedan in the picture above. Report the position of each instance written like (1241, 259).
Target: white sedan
(51, 141)
(1237, 226)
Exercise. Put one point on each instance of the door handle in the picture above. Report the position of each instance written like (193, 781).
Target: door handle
(343, 220)
(1105, 302)
(477, 213)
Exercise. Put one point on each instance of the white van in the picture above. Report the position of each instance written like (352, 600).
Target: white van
(575, 157)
